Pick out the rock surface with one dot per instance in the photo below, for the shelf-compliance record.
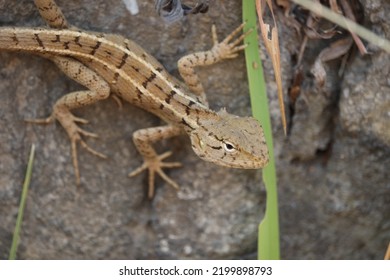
(334, 187)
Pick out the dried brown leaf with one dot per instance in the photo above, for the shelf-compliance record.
(335, 7)
(272, 46)
(335, 50)
(312, 26)
(349, 14)
(295, 89)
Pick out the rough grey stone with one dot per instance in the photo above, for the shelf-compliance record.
(214, 215)
(334, 187)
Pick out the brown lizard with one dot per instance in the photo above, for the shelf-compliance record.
(110, 64)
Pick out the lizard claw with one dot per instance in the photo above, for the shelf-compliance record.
(155, 165)
(75, 161)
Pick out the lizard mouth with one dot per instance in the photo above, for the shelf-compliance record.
(245, 163)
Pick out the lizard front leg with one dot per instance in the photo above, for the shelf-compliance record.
(52, 14)
(220, 51)
(98, 90)
(143, 140)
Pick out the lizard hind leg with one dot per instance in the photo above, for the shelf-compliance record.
(98, 89)
(75, 133)
(153, 162)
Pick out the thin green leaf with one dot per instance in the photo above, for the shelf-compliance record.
(26, 184)
(268, 241)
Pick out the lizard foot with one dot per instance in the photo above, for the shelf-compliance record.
(76, 138)
(155, 165)
(227, 49)
(75, 133)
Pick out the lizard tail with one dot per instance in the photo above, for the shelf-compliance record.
(74, 43)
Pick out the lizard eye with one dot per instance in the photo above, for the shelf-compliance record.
(229, 147)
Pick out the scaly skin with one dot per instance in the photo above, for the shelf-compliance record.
(110, 64)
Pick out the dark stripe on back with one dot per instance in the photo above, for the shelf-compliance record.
(149, 79)
(116, 77)
(169, 97)
(15, 39)
(57, 39)
(123, 60)
(39, 41)
(95, 48)
(66, 45)
(77, 41)
(139, 94)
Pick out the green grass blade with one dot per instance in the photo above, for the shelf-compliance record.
(27, 179)
(268, 240)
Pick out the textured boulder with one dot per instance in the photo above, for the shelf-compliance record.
(334, 188)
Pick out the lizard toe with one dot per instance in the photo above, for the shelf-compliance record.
(91, 150)
(155, 165)
(40, 121)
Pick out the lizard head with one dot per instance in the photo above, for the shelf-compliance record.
(231, 141)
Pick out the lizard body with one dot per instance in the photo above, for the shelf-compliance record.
(110, 64)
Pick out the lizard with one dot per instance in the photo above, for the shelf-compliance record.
(111, 65)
